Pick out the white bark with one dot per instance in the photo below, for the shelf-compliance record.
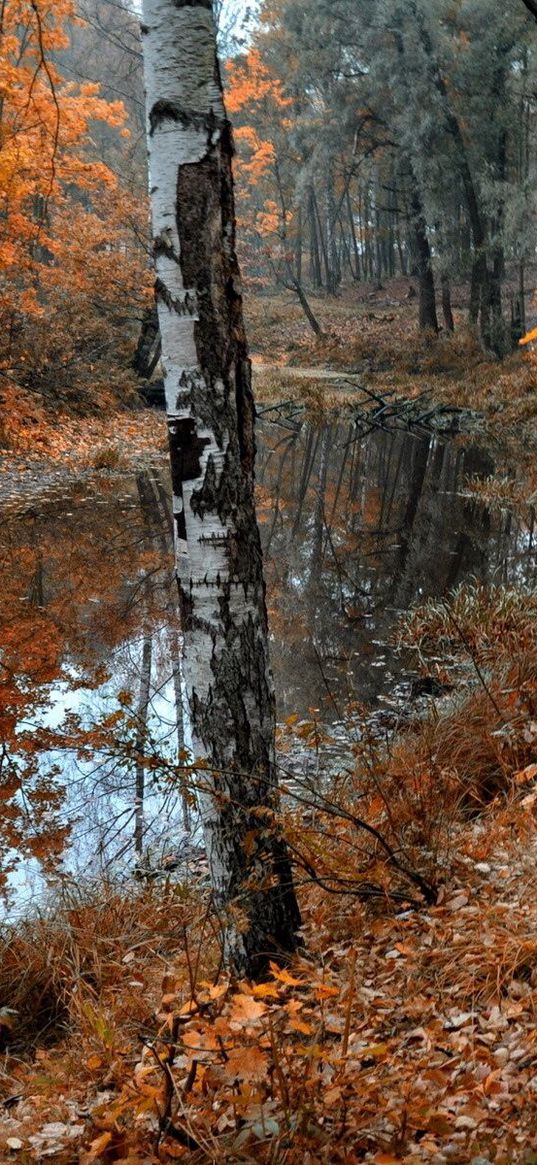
(210, 418)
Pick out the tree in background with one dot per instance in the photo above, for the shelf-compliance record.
(404, 150)
(211, 429)
(72, 282)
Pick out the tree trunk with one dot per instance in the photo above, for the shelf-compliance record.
(294, 285)
(447, 312)
(298, 245)
(427, 302)
(211, 430)
(475, 293)
(141, 735)
(355, 247)
(315, 260)
(148, 348)
(333, 272)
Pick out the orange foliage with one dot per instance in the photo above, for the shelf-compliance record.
(67, 250)
(250, 84)
(260, 110)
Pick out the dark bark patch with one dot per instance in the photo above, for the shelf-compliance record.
(164, 110)
(187, 306)
(186, 450)
(209, 407)
(161, 247)
(218, 494)
(192, 4)
(180, 525)
(245, 415)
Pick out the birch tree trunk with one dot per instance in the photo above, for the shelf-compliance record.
(140, 744)
(211, 430)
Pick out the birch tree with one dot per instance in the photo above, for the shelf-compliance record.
(211, 433)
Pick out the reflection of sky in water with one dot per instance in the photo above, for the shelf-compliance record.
(354, 533)
(100, 794)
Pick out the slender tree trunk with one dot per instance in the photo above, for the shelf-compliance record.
(378, 252)
(522, 296)
(315, 260)
(141, 733)
(322, 242)
(475, 293)
(148, 348)
(211, 429)
(355, 247)
(333, 273)
(186, 795)
(298, 245)
(368, 251)
(294, 285)
(447, 312)
(400, 251)
(427, 299)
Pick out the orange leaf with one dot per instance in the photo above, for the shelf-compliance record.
(245, 1009)
(524, 775)
(100, 1144)
(246, 1064)
(284, 976)
(324, 991)
(263, 989)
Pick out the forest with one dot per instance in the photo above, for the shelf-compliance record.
(268, 601)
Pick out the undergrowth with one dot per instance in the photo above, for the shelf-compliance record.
(404, 1032)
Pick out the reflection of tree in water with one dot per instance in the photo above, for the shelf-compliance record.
(86, 610)
(356, 530)
(360, 530)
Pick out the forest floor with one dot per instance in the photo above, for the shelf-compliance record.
(371, 338)
(60, 450)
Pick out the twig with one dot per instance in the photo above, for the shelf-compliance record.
(479, 673)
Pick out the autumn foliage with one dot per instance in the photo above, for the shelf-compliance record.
(261, 111)
(73, 274)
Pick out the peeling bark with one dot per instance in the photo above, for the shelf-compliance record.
(211, 425)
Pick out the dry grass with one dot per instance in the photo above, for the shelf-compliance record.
(107, 457)
(487, 638)
(503, 493)
(60, 967)
(493, 622)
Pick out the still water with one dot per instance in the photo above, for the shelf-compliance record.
(355, 532)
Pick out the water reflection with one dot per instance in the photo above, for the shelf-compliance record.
(354, 531)
(90, 654)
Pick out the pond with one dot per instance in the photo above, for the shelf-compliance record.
(355, 531)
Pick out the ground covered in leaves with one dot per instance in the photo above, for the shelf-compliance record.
(403, 1036)
(45, 450)
(372, 336)
(404, 1032)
